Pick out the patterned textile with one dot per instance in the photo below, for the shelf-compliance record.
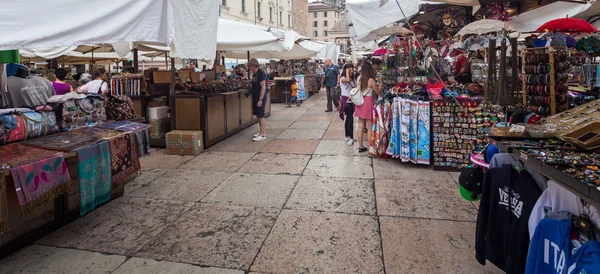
(142, 140)
(74, 139)
(37, 183)
(342, 110)
(423, 152)
(124, 161)
(394, 144)
(119, 107)
(124, 125)
(404, 130)
(14, 129)
(95, 181)
(40, 124)
(414, 122)
(3, 206)
(15, 155)
(374, 142)
(78, 113)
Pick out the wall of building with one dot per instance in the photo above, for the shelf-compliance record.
(269, 13)
(300, 17)
(320, 19)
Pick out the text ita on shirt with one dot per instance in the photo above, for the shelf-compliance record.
(98, 85)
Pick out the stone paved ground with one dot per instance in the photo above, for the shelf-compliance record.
(300, 202)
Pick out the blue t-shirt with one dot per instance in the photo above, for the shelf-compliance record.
(258, 77)
(331, 74)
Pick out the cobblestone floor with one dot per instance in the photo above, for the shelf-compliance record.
(300, 202)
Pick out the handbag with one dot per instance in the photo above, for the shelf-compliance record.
(356, 96)
(119, 107)
(21, 126)
(78, 113)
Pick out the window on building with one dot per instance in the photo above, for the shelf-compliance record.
(223, 3)
(324, 14)
(270, 14)
(258, 9)
(325, 33)
(315, 33)
(281, 18)
(243, 5)
(325, 23)
(314, 15)
(315, 24)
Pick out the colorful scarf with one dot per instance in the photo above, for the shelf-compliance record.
(124, 161)
(37, 183)
(343, 103)
(414, 123)
(95, 181)
(3, 206)
(142, 140)
(74, 139)
(15, 155)
(124, 125)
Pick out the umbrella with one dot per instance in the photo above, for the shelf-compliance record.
(381, 32)
(567, 25)
(380, 51)
(484, 26)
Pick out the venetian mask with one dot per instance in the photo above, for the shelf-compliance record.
(447, 19)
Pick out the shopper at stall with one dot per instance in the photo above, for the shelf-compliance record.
(60, 87)
(367, 86)
(98, 85)
(193, 66)
(332, 79)
(347, 83)
(24, 90)
(259, 97)
(294, 98)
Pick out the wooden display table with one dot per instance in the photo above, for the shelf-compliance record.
(218, 116)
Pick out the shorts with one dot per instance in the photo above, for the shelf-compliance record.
(259, 111)
(294, 99)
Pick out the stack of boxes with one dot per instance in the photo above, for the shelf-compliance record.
(159, 119)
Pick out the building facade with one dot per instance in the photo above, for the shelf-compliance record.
(321, 18)
(279, 14)
(340, 34)
(300, 17)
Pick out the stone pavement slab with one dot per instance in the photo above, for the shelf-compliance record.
(160, 159)
(291, 146)
(272, 163)
(313, 242)
(146, 176)
(257, 190)
(301, 134)
(119, 227)
(431, 200)
(319, 118)
(337, 147)
(340, 166)
(150, 266)
(215, 235)
(336, 134)
(218, 161)
(182, 185)
(310, 125)
(343, 195)
(38, 259)
(430, 246)
(409, 172)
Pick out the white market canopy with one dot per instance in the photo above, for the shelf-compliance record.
(189, 27)
(365, 16)
(238, 36)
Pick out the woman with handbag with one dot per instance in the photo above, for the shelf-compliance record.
(347, 83)
(366, 86)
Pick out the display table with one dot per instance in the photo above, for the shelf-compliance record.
(282, 90)
(218, 116)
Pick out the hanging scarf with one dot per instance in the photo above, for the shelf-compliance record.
(95, 181)
(3, 206)
(38, 182)
(124, 125)
(343, 103)
(124, 161)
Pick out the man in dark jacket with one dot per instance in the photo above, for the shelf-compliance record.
(332, 80)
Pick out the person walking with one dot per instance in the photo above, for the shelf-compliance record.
(332, 79)
(259, 97)
(367, 85)
(347, 83)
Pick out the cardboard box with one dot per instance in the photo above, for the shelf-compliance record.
(157, 113)
(184, 142)
(162, 77)
(160, 128)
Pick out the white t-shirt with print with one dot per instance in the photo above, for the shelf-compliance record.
(94, 86)
(346, 87)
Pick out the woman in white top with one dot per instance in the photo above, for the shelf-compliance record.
(98, 85)
(347, 83)
(367, 85)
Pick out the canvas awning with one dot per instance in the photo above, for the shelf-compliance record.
(365, 16)
(188, 27)
(238, 36)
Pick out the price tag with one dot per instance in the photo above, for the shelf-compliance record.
(517, 128)
(551, 127)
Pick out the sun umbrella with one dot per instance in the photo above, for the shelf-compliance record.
(484, 26)
(385, 31)
(567, 25)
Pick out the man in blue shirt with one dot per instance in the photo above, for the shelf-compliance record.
(332, 80)
(259, 97)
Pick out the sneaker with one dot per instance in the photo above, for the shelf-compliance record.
(255, 135)
(351, 142)
(259, 138)
(347, 139)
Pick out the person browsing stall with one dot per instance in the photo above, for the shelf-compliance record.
(259, 97)
(60, 87)
(193, 66)
(347, 83)
(98, 85)
(332, 79)
(368, 87)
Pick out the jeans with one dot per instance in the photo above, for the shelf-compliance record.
(332, 96)
(349, 123)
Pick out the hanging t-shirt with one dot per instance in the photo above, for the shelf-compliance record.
(27, 92)
(552, 251)
(502, 234)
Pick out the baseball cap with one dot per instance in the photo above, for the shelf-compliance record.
(253, 62)
(470, 183)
